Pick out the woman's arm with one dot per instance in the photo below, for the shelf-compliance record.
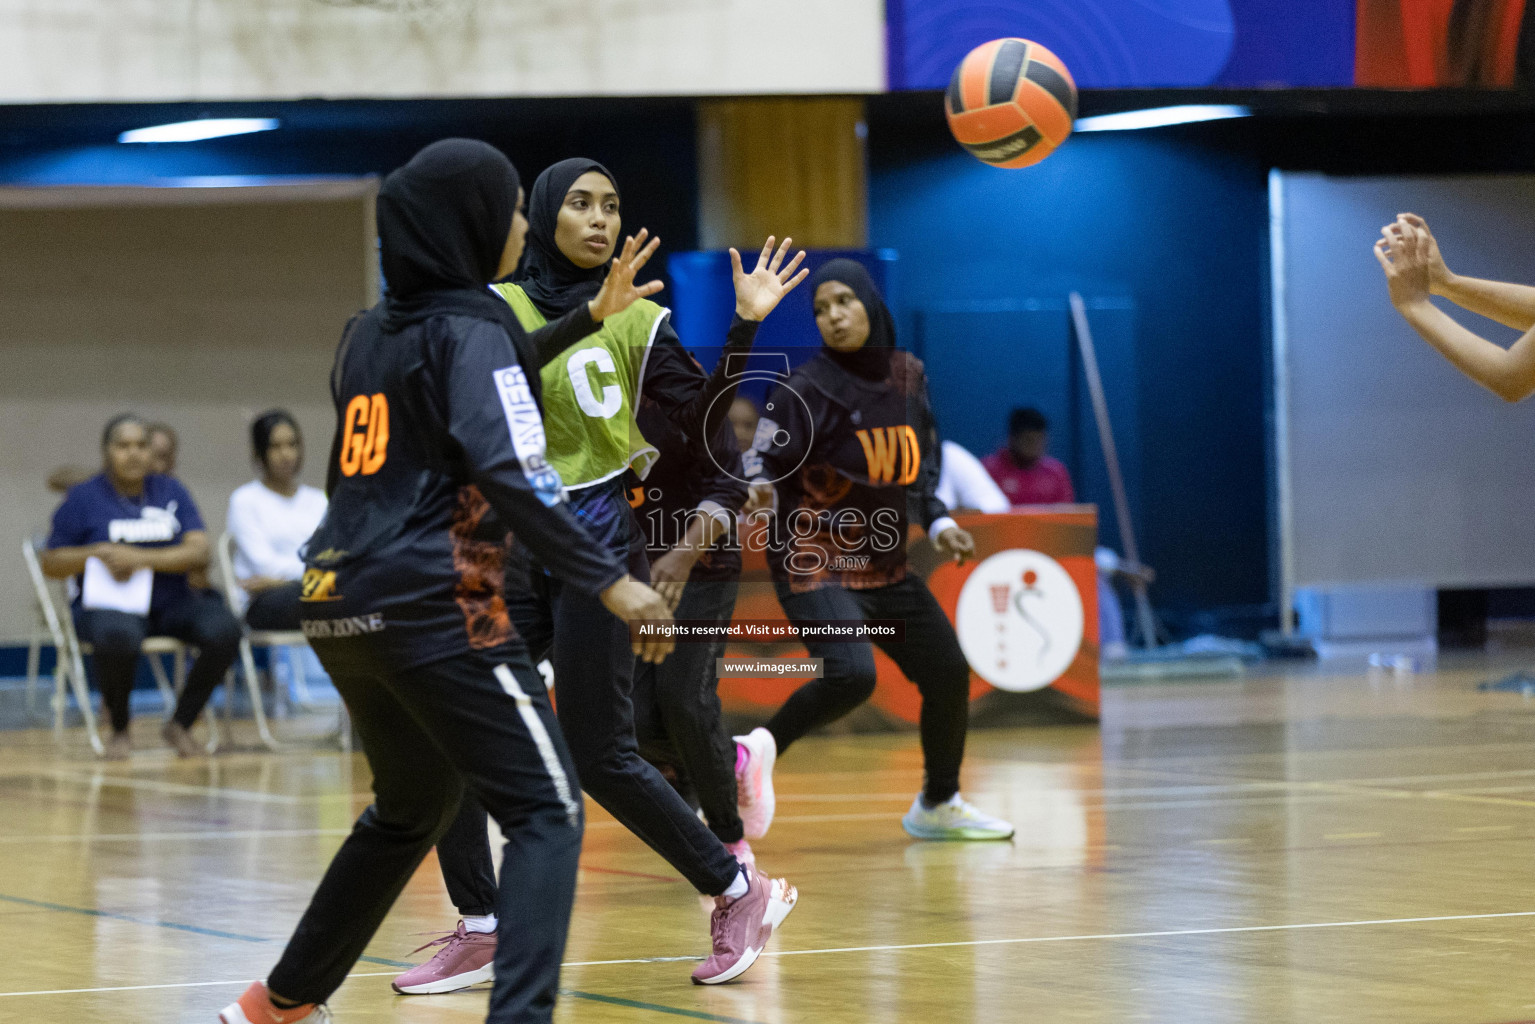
(123, 560)
(1512, 305)
(189, 555)
(722, 492)
(669, 573)
(61, 563)
(493, 416)
(1405, 255)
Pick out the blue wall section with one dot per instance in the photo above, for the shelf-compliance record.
(1166, 240)
(1124, 44)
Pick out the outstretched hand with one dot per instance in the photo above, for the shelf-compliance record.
(760, 291)
(618, 290)
(1438, 274)
(1404, 253)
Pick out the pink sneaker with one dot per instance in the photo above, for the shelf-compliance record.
(741, 928)
(255, 1008)
(755, 754)
(741, 850)
(466, 958)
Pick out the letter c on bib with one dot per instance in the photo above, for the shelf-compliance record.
(612, 395)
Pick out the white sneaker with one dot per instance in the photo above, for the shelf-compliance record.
(754, 782)
(953, 819)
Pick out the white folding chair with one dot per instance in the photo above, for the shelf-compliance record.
(69, 658)
(65, 653)
(40, 637)
(271, 639)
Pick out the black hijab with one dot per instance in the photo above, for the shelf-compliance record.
(443, 219)
(550, 279)
(872, 361)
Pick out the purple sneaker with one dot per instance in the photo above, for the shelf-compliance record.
(741, 928)
(466, 958)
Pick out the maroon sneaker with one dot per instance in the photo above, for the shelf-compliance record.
(741, 928)
(466, 958)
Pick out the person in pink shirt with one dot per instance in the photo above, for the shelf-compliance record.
(1022, 469)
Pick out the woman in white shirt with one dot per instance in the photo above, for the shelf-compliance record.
(963, 482)
(271, 519)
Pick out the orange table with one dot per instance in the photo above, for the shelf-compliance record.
(1026, 610)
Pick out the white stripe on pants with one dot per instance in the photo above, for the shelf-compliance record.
(541, 739)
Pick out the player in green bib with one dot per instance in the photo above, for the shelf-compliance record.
(591, 391)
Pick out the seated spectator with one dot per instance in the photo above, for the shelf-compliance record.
(1022, 469)
(163, 448)
(743, 416)
(271, 519)
(112, 530)
(162, 459)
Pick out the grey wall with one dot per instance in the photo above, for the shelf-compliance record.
(200, 315)
(1396, 468)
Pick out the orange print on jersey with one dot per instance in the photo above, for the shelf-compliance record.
(364, 435)
(887, 447)
(480, 562)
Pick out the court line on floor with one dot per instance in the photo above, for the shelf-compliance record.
(595, 997)
(178, 788)
(168, 984)
(655, 1007)
(1093, 937)
(172, 925)
(128, 837)
(1096, 937)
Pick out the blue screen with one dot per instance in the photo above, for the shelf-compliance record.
(1124, 44)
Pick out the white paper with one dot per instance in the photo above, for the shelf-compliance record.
(100, 590)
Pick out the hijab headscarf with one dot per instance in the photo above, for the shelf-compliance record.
(443, 221)
(550, 279)
(872, 361)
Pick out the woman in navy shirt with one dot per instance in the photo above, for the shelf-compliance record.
(131, 519)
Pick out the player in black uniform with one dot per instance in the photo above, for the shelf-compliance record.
(439, 451)
(840, 445)
(687, 509)
(589, 649)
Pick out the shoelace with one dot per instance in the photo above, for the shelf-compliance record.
(717, 925)
(446, 941)
(967, 811)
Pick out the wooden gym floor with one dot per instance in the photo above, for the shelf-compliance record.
(1288, 847)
